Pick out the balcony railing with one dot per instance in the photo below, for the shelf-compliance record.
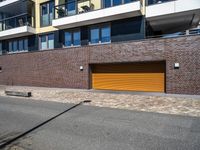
(151, 2)
(16, 21)
(83, 6)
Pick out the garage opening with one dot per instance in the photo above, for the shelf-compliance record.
(145, 76)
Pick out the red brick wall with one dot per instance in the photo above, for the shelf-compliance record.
(60, 68)
(57, 68)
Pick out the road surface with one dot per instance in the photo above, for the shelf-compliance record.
(93, 128)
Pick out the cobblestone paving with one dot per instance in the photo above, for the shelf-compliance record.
(180, 105)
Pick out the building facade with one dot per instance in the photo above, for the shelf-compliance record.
(129, 45)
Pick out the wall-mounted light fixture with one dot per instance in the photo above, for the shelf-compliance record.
(81, 68)
(176, 65)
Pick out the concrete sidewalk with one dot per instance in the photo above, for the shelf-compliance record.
(188, 105)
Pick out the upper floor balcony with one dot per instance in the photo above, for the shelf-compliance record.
(16, 26)
(170, 15)
(85, 12)
(17, 20)
(7, 2)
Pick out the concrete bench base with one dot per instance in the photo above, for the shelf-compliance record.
(14, 93)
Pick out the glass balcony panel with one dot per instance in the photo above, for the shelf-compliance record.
(73, 7)
(16, 21)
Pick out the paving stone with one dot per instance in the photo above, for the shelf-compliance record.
(168, 104)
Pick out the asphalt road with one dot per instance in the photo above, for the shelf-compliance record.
(94, 128)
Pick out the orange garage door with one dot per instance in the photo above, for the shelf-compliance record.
(149, 77)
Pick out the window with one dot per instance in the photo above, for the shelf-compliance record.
(105, 34)
(117, 2)
(107, 3)
(128, 1)
(47, 41)
(100, 34)
(51, 41)
(68, 39)
(18, 45)
(47, 11)
(76, 38)
(43, 42)
(21, 46)
(71, 7)
(72, 38)
(110, 3)
(94, 35)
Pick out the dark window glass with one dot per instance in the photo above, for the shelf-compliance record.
(18, 45)
(68, 39)
(77, 40)
(44, 9)
(100, 34)
(127, 26)
(51, 7)
(94, 35)
(21, 45)
(10, 47)
(71, 7)
(128, 1)
(51, 12)
(117, 2)
(15, 46)
(72, 38)
(43, 42)
(107, 3)
(47, 13)
(50, 41)
(26, 44)
(105, 34)
(156, 1)
(47, 41)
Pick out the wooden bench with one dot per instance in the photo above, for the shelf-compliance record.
(17, 93)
